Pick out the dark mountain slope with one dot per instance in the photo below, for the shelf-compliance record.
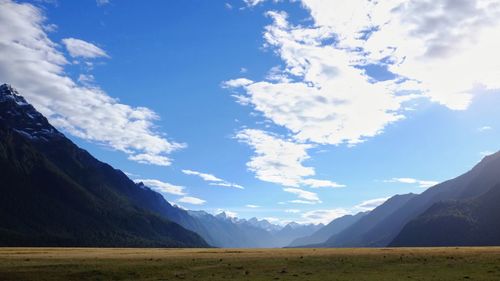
(56, 194)
(354, 235)
(472, 184)
(334, 227)
(380, 232)
(473, 222)
(155, 202)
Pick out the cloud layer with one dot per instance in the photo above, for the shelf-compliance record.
(350, 72)
(444, 49)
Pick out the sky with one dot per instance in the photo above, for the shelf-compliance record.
(301, 110)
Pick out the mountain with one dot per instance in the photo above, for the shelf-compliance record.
(180, 216)
(473, 222)
(56, 194)
(355, 235)
(334, 227)
(230, 232)
(292, 231)
(264, 224)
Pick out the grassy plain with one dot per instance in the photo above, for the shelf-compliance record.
(249, 264)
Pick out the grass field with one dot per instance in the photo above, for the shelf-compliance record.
(250, 264)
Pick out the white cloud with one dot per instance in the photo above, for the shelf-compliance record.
(252, 3)
(321, 183)
(213, 180)
(304, 202)
(83, 49)
(303, 194)
(226, 184)
(162, 187)
(371, 204)
(280, 161)
(33, 64)
(292, 211)
(276, 160)
(204, 176)
(252, 206)
(485, 129)
(235, 83)
(420, 183)
(191, 200)
(151, 159)
(322, 216)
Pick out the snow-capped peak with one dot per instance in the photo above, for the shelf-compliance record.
(20, 116)
(7, 92)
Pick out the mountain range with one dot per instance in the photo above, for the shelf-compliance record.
(57, 194)
(229, 232)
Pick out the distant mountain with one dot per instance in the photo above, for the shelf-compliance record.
(356, 234)
(229, 232)
(293, 231)
(56, 194)
(264, 224)
(334, 227)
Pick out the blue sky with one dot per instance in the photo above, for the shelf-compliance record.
(288, 110)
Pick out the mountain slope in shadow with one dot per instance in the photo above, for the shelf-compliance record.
(56, 194)
(473, 222)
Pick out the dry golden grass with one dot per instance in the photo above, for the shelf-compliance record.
(250, 264)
